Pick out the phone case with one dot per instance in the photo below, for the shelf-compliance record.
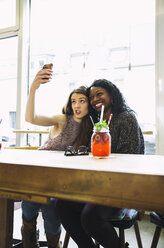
(48, 66)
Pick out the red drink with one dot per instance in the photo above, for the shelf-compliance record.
(101, 143)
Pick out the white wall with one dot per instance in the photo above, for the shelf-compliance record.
(159, 77)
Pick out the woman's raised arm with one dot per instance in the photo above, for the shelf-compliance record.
(43, 76)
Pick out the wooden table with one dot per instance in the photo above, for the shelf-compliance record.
(132, 181)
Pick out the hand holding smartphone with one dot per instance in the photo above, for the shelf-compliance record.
(47, 66)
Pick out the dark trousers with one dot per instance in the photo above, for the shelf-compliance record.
(83, 221)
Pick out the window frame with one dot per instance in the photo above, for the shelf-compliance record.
(12, 30)
(21, 30)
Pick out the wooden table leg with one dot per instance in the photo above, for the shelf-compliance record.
(6, 222)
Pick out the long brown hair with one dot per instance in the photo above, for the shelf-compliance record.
(85, 131)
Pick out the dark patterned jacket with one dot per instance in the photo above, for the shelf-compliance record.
(126, 135)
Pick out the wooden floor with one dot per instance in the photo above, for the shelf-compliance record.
(146, 229)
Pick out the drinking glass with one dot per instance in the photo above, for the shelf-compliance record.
(101, 143)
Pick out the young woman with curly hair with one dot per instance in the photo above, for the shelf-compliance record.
(86, 221)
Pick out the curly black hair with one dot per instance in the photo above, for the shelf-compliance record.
(118, 103)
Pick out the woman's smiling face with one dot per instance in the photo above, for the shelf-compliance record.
(98, 97)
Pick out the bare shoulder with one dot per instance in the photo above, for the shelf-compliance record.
(60, 119)
(59, 122)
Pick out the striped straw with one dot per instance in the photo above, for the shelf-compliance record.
(110, 117)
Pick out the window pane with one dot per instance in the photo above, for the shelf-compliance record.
(87, 40)
(7, 13)
(8, 88)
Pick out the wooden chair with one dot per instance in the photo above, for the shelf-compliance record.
(123, 224)
(158, 220)
(127, 223)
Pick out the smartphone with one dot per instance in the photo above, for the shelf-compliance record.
(47, 66)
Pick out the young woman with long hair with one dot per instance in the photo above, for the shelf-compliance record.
(72, 128)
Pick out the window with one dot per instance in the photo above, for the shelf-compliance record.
(8, 86)
(7, 13)
(9, 26)
(12, 119)
(87, 40)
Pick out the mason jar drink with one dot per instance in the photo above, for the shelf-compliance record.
(101, 143)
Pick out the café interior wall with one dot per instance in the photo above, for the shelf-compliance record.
(159, 77)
